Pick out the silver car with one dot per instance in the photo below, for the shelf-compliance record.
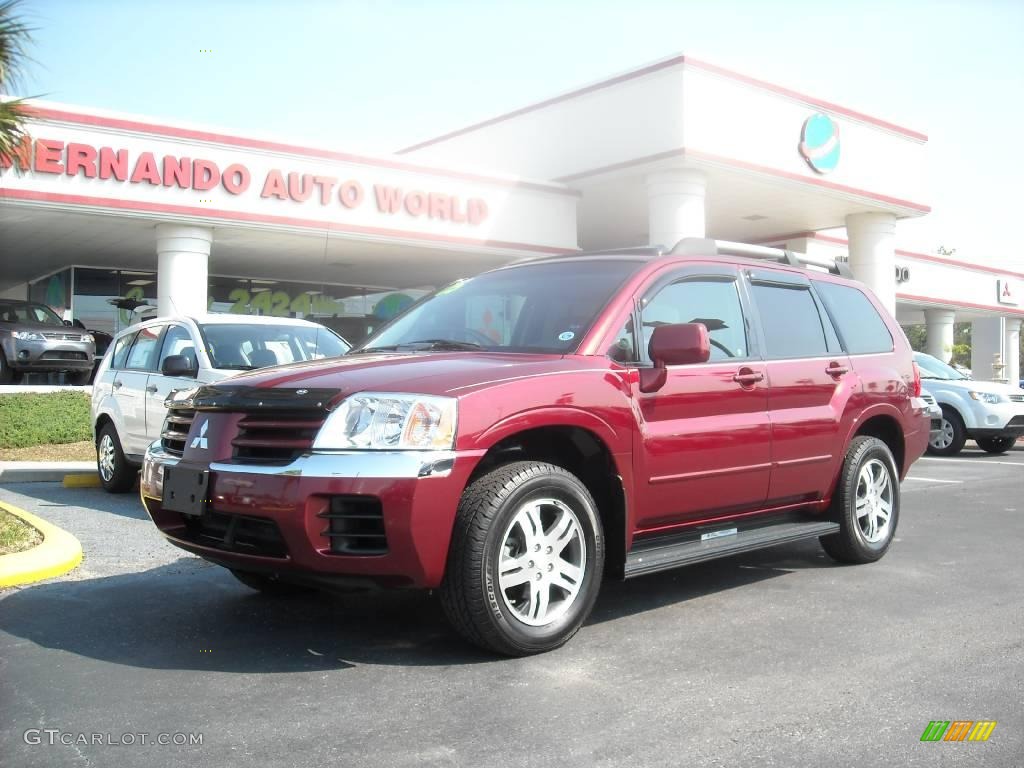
(34, 340)
(148, 361)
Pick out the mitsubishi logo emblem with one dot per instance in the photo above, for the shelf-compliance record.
(200, 440)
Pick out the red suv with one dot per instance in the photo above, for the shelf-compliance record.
(517, 437)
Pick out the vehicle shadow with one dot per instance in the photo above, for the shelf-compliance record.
(188, 615)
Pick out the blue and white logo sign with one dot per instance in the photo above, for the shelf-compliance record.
(819, 143)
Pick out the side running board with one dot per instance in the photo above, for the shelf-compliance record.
(653, 557)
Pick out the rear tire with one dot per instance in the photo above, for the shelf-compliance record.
(268, 585)
(952, 435)
(866, 503)
(117, 474)
(526, 559)
(996, 444)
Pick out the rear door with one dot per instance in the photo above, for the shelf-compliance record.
(177, 340)
(705, 439)
(810, 385)
(130, 388)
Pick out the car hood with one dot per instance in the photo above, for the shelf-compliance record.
(430, 373)
(40, 327)
(969, 385)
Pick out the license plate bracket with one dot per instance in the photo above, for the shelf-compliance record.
(186, 490)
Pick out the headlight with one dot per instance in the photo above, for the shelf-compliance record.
(28, 336)
(88, 338)
(390, 421)
(179, 396)
(986, 397)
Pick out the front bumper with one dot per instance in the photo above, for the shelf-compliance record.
(49, 355)
(1013, 428)
(418, 493)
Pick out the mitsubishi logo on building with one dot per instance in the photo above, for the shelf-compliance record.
(199, 441)
(819, 143)
(1007, 292)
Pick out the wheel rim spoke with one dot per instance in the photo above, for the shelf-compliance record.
(875, 499)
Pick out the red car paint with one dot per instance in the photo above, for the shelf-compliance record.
(705, 447)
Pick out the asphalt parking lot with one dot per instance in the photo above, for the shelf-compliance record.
(778, 658)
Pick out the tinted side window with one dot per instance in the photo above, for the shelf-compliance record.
(715, 303)
(790, 320)
(121, 347)
(143, 352)
(861, 327)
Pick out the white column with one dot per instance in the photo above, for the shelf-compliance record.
(183, 256)
(675, 205)
(1012, 353)
(939, 323)
(987, 338)
(873, 253)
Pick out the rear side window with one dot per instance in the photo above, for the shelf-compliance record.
(121, 347)
(790, 320)
(861, 328)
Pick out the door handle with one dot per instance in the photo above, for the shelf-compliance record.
(835, 369)
(151, 388)
(745, 377)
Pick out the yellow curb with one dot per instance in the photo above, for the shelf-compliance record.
(82, 481)
(59, 553)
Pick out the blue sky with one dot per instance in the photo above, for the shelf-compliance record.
(375, 76)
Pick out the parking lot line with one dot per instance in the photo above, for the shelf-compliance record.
(933, 479)
(975, 461)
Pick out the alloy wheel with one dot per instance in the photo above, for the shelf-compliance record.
(543, 561)
(106, 458)
(874, 501)
(945, 437)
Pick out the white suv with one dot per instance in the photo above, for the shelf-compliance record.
(989, 413)
(146, 362)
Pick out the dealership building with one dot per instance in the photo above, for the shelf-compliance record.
(101, 206)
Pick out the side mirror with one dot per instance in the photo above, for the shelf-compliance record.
(678, 344)
(178, 365)
(68, 323)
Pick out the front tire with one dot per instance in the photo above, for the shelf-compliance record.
(526, 559)
(952, 435)
(79, 378)
(866, 503)
(117, 474)
(996, 444)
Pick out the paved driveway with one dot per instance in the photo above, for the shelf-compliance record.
(777, 658)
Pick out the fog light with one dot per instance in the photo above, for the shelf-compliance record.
(23, 354)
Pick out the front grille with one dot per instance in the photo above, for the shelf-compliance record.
(355, 526)
(59, 355)
(63, 336)
(1017, 398)
(1016, 421)
(175, 432)
(928, 398)
(274, 437)
(235, 533)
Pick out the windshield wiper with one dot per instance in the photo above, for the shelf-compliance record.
(236, 367)
(440, 344)
(445, 344)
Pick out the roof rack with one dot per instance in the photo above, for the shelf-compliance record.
(699, 246)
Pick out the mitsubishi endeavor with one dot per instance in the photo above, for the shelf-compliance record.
(517, 437)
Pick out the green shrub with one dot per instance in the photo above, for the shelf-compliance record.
(43, 418)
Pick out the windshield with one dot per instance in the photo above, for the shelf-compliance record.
(540, 307)
(933, 368)
(28, 313)
(243, 347)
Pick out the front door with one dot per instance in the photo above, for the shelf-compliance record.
(704, 439)
(129, 388)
